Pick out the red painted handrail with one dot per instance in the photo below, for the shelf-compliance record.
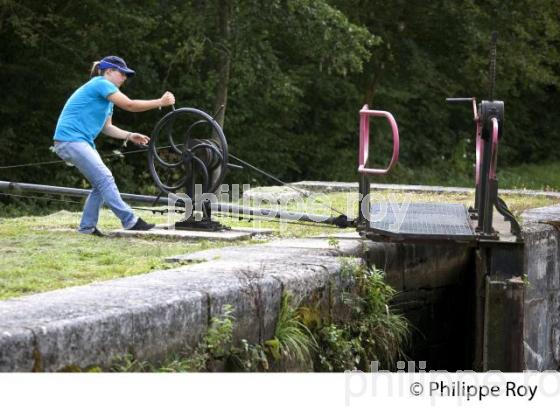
(479, 150)
(363, 154)
(494, 158)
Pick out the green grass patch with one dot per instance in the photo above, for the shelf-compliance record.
(545, 177)
(45, 253)
(41, 253)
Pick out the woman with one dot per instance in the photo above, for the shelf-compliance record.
(87, 113)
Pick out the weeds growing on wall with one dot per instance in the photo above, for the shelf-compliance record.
(292, 339)
(210, 353)
(375, 332)
(302, 339)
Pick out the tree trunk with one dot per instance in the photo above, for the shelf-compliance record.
(372, 80)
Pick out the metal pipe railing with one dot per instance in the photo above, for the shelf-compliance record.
(363, 154)
(494, 153)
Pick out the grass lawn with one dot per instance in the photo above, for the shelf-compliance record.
(38, 254)
(544, 177)
(41, 253)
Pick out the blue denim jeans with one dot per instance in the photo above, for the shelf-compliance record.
(104, 189)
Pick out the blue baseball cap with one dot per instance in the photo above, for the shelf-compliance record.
(117, 63)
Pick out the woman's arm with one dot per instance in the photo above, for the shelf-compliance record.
(122, 101)
(115, 132)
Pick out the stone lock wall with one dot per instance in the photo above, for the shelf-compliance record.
(542, 297)
(432, 284)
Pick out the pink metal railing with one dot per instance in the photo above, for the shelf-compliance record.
(479, 150)
(363, 154)
(494, 158)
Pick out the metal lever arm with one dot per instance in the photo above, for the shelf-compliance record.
(467, 99)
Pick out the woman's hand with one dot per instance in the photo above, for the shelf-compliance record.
(139, 139)
(167, 99)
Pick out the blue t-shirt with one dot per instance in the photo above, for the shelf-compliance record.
(86, 112)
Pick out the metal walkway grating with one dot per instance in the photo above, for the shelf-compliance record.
(421, 220)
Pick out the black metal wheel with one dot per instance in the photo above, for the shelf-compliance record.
(187, 148)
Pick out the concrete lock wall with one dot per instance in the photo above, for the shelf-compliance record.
(542, 297)
(433, 286)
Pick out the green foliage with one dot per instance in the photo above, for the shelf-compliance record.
(129, 364)
(381, 335)
(192, 361)
(212, 352)
(434, 50)
(249, 357)
(219, 337)
(292, 339)
(215, 347)
(298, 71)
(544, 176)
(337, 353)
(274, 50)
(373, 333)
(334, 242)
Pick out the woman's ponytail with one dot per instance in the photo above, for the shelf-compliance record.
(95, 69)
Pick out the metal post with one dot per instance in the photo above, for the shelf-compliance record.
(364, 200)
(487, 189)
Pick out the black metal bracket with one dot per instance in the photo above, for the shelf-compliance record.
(205, 224)
(503, 209)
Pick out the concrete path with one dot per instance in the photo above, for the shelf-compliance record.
(163, 232)
(546, 214)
